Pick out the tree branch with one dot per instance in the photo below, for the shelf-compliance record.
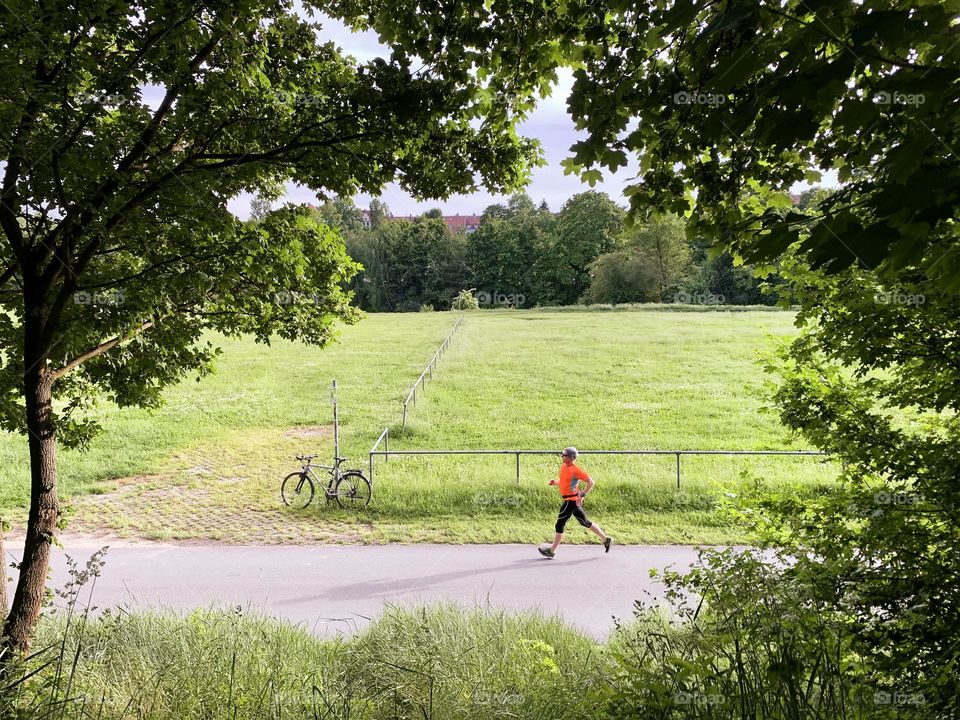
(123, 75)
(113, 342)
(72, 224)
(98, 350)
(8, 195)
(146, 271)
(234, 159)
(896, 62)
(74, 221)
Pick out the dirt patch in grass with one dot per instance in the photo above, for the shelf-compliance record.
(309, 431)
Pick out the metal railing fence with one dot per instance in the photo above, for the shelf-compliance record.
(386, 453)
(421, 381)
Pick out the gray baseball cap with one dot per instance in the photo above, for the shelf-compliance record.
(571, 452)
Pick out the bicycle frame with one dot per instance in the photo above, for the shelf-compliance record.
(332, 470)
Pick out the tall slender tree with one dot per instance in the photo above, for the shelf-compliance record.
(125, 129)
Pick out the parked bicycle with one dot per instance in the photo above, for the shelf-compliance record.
(350, 488)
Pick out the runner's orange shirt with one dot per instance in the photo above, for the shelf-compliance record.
(570, 477)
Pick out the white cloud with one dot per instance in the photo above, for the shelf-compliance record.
(363, 45)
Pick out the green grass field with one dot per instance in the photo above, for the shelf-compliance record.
(208, 464)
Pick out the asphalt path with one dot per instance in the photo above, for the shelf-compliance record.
(333, 589)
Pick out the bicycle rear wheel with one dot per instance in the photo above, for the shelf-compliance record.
(352, 490)
(297, 490)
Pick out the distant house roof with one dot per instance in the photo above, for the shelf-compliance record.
(456, 223)
(459, 223)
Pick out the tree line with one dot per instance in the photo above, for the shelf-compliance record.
(524, 255)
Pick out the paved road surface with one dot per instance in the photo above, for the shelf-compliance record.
(334, 588)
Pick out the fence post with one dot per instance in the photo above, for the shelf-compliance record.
(678, 471)
(518, 470)
(336, 420)
(404, 414)
(385, 439)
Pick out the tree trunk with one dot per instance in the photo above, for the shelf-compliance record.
(44, 505)
(4, 604)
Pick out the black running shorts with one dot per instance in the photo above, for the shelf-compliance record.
(570, 507)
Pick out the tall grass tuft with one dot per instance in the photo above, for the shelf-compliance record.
(445, 662)
(439, 662)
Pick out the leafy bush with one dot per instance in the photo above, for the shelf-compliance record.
(755, 646)
(465, 300)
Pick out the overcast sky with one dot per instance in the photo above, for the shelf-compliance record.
(548, 123)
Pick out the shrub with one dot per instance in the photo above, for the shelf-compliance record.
(747, 639)
(465, 300)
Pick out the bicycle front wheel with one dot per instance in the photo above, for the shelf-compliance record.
(297, 490)
(352, 490)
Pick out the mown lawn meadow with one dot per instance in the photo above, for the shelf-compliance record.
(208, 463)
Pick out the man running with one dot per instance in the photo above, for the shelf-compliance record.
(571, 476)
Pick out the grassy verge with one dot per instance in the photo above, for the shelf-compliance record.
(444, 662)
(208, 464)
(441, 662)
